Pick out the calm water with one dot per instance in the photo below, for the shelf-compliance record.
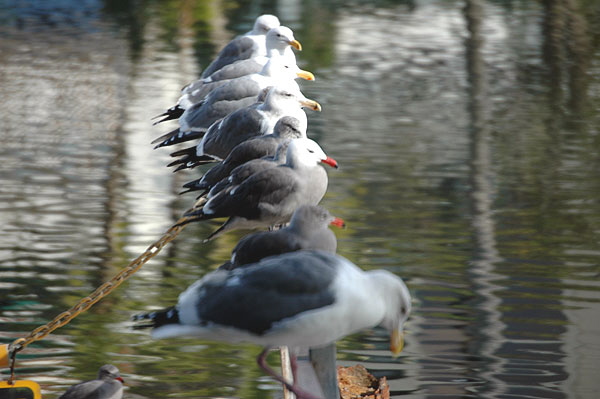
(470, 156)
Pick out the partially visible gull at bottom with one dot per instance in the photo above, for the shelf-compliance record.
(108, 385)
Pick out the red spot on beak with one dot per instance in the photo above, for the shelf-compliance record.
(338, 223)
(120, 379)
(331, 162)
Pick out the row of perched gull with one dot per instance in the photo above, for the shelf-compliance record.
(284, 286)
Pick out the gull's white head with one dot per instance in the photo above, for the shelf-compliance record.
(313, 217)
(284, 69)
(280, 38)
(306, 152)
(397, 300)
(108, 372)
(264, 24)
(288, 94)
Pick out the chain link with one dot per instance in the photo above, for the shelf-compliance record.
(100, 292)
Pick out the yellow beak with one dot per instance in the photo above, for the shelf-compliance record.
(396, 342)
(305, 75)
(312, 104)
(296, 44)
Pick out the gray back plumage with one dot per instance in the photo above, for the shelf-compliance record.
(106, 386)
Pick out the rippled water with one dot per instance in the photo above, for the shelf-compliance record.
(469, 150)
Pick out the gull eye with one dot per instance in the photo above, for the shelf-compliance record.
(311, 151)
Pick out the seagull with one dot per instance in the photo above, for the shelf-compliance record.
(285, 129)
(270, 197)
(249, 45)
(108, 385)
(279, 42)
(303, 299)
(308, 229)
(233, 95)
(255, 120)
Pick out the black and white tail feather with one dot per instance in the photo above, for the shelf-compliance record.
(157, 318)
(189, 159)
(177, 136)
(172, 113)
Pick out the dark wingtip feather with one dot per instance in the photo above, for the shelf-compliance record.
(161, 140)
(156, 319)
(186, 165)
(176, 162)
(172, 113)
(193, 184)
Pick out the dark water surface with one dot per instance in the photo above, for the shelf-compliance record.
(467, 135)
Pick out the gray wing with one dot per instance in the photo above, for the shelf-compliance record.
(238, 69)
(235, 128)
(198, 90)
(262, 194)
(253, 148)
(277, 288)
(238, 49)
(219, 103)
(235, 89)
(249, 150)
(239, 174)
(213, 176)
(254, 247)
(200, 118)
(242, 153)
(85, 390)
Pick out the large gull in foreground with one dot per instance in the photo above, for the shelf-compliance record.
(270, 197)
(304, 299)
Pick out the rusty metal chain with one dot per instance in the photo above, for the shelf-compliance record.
(100, 292)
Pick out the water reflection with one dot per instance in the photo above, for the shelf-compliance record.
(468, 145)
(488, 329)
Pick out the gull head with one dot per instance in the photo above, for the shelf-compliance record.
(289, 127)
(264, 24)
(306, 152)
(280, 38)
